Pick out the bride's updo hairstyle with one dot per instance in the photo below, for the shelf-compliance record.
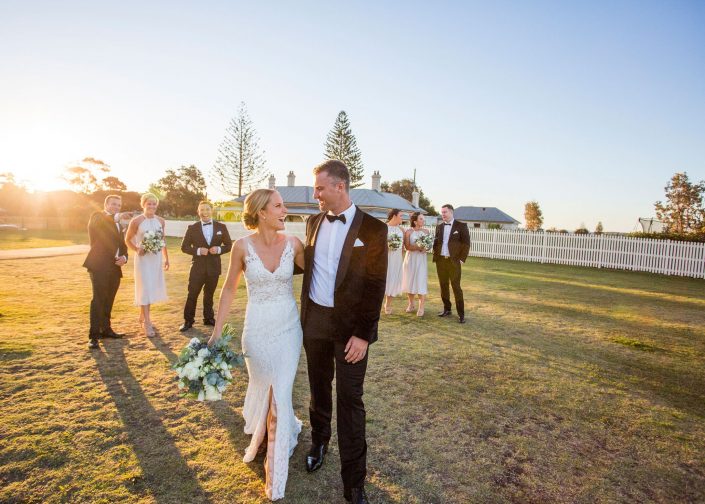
(254, 202)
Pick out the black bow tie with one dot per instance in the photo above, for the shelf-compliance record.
(333, 218)
(446, 223)
(207, 223)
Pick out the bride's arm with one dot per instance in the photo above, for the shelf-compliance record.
(299, 259)
(227, 294)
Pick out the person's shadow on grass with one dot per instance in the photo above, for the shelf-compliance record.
(165, 474)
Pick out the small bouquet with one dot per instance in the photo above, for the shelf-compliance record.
(203, 372)
(425, 241)
(394, 241)
(153, 241)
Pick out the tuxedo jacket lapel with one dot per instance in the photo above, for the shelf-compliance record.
(346, 253)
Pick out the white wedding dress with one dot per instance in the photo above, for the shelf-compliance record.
(271, 340)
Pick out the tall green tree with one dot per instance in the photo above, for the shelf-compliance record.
(181, 190)
(342, 145)
(405, 189)
(683, 211)
(533, 216)
(240, 165)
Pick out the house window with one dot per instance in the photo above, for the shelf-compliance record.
(477, 225)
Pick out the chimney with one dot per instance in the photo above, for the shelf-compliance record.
(376, 181)
(415, 198)
(272, 181)
(291, 179)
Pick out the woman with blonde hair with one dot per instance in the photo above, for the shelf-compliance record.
(272, 335)
(145, 236)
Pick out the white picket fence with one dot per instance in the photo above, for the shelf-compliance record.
(598, 251)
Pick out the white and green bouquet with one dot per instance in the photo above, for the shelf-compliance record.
(394, 241)
(153, 241)
(425, 241)
(203, 371)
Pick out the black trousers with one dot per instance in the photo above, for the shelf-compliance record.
(198, 281)
(325, 353)
(449, 272)
(105, 286)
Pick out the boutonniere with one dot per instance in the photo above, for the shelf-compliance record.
(219, 233)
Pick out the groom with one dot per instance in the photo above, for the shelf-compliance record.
(343, 288)
(104, 262)
(451, 247)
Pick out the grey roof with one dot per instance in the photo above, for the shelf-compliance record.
(482, 214)
(303, 195)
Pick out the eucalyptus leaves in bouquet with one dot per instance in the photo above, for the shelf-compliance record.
(203, 371)
(394, 241)
(153, 241)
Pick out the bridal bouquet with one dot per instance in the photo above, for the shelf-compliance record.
(153, 241)
(425, 241)
(203, 372)
(394, 241)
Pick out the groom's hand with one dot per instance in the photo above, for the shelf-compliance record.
(355, 350)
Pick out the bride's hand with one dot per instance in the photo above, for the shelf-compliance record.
(213, 339)
(141, 251)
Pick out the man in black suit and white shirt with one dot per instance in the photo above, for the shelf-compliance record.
(341, 297)
(104, 262)
(450, 250)
(205, 240)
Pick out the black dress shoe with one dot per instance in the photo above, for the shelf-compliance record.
(461, 320)
(186, 326)
(112, 334)
(93, 345)
(209, 322)
(357, 496)
(314, 459)
(444, 313)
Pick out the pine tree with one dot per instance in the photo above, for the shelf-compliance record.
(341, 145)
(683, 211)
(240, 163)
(533, 216)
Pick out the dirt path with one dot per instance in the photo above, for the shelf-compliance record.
(33, 253)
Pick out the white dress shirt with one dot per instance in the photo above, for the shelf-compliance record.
(207, 234)
(446, 236)
(329, 247)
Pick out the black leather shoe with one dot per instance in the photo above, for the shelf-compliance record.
(112, 334)
(461, 320)
(209, 322)
(314, 459)
(186, 326)
(93, 345)
(444, 313)
(357, 496)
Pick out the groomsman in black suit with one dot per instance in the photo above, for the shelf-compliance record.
(205, 240)
(343, 288)
(450, 250)
(104, 262)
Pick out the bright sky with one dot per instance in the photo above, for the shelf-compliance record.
(588, 108)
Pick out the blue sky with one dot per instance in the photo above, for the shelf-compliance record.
(587, 107)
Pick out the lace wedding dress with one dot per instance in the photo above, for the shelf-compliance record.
(271, 341)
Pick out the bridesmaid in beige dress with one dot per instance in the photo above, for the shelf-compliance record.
(150, 286)
(415, 270)
(394, 260)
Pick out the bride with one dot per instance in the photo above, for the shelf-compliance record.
(272, 336)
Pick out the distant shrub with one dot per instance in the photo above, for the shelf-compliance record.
(690, 237)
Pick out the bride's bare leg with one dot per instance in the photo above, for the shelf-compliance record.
(271, 443)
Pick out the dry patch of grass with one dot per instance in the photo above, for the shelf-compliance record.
(566, 385)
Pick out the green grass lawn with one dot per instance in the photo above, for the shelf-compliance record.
(11, 240)
(566, 385)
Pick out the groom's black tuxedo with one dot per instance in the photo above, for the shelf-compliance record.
(205, 269)
(361, 276)
(106, 245)
(358, 293)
